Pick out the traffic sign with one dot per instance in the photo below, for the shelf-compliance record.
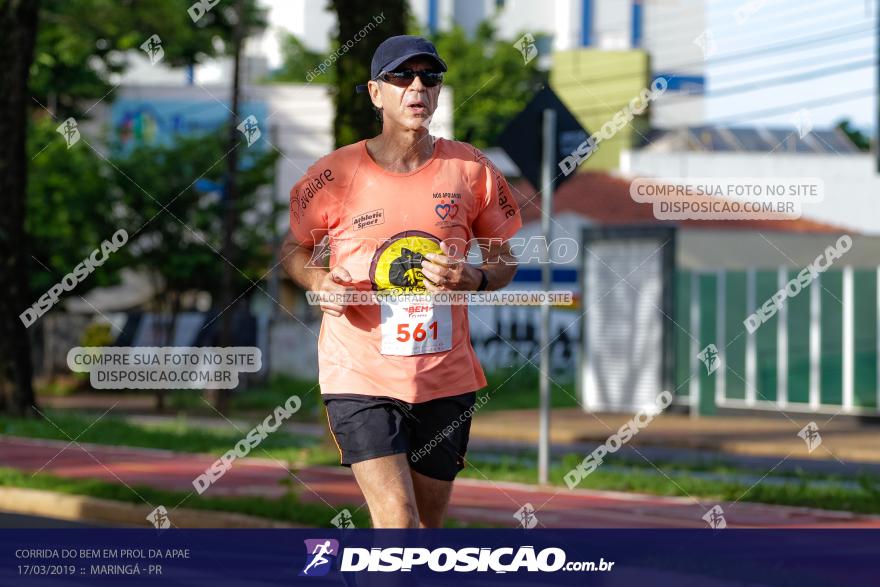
(522, 137)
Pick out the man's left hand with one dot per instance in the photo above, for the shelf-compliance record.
(445, 273)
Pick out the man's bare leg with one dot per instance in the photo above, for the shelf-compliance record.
(388, 488)
(432, 497)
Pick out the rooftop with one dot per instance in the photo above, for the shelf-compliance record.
(605, 199)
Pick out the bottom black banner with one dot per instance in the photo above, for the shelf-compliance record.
(438, 557)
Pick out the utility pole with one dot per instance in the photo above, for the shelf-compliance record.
(230, 194)
(548, 157)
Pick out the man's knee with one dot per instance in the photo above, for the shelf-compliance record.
(398, 513)
(431, 519)
(411, 515)
(432, 498)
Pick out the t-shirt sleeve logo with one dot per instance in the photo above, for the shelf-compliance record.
(306, 190)
(505, 198)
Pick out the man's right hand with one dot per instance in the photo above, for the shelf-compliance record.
(337, 281)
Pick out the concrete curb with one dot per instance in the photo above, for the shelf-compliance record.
(81, 508)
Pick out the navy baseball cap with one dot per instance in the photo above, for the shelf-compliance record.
(395, 50)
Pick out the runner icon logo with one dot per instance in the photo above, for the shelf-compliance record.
(321, 555)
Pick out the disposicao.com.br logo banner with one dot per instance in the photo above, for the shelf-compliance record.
(461, 557)
(322, 552)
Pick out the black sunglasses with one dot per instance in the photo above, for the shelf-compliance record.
(405, 78)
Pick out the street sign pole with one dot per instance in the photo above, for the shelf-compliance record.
(545, 116)
(548, 154)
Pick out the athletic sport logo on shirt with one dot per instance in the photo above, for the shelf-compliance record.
(367, 219)
(397, 265)
(322, 553)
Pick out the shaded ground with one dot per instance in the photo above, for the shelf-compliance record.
(473, 501)
(844, 439)
(8, 520)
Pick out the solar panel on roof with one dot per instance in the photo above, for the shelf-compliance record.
(832, 142)
(788, 141)
(748, 139)
(758, 140)
(711, 139)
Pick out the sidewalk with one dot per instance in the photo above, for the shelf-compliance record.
(473, 501)
(844, 438)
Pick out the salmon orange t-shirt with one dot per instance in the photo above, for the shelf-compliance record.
(379, 225)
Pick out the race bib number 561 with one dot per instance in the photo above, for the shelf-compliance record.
(413, 325)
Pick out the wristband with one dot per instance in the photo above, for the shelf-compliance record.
(484, 280)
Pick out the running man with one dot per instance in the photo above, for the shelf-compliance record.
(398, 379)
(320, 550)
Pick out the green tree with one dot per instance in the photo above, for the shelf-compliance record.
(298, 61)
(859, 139)
(82, 44)
(68, 212)
(355, 119)
(176, 233)
(490, 81)
(175, 228)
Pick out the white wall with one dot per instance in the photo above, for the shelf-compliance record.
(612, 25)
(309, 20)
(564, 225)
(668, 33)
(519, 16)
(669, 26)
(700, 249)
(852, 186)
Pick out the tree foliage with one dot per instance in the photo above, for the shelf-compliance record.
(297, 61)
(355, 119)
(175, 227)
(488, 77)
(62, 211)
(68, 210)
(82, 45)
(490, 81)
(858, 138)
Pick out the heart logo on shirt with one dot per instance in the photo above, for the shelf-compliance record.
(444, 210)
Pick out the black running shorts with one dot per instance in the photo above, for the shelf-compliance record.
(433, 434)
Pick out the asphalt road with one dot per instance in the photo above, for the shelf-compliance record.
(10, 520)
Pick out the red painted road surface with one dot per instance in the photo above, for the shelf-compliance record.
(472, 500)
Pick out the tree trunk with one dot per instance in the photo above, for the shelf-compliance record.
(230, 194)
(18, 21)
(355, 119)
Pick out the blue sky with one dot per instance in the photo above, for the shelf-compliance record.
(782, 22)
